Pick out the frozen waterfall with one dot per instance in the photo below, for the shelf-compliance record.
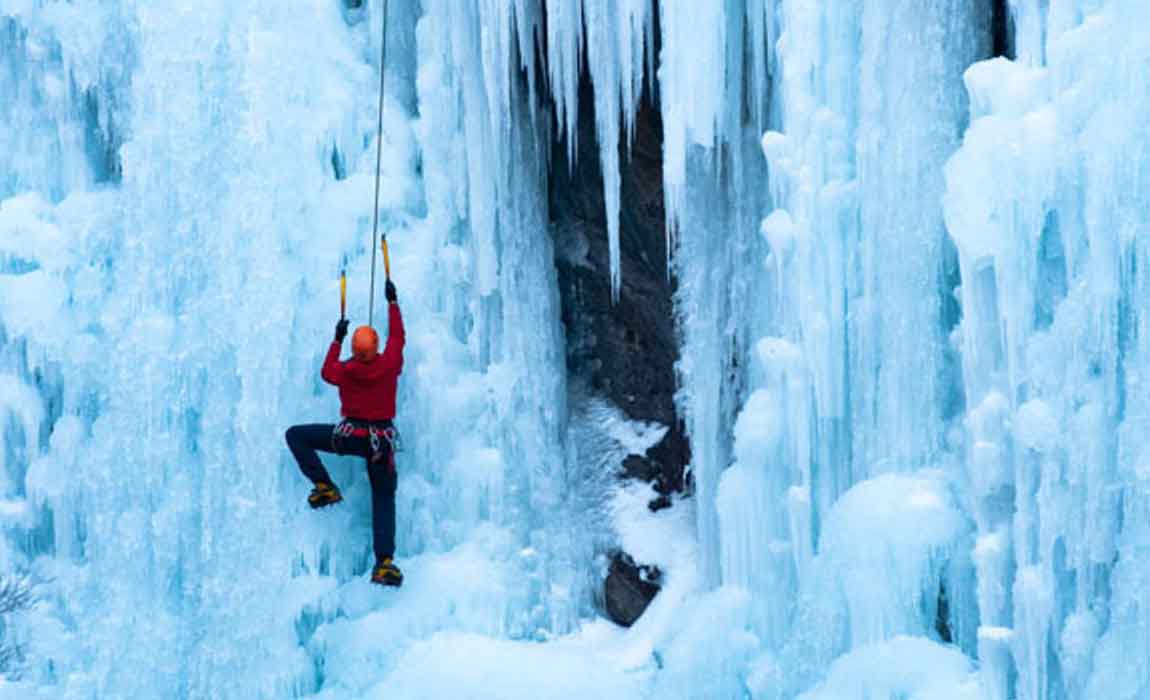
(909, 246)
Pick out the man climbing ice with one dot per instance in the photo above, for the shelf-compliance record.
(367, 386)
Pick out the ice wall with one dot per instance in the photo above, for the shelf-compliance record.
(180, 186)
(947, 278)
(150, 308)
(968, 305)
(910, 297)
(830, 359)
(1045, 204)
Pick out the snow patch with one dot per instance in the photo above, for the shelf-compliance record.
(664, 538)
(1036, 426)
(889, 544)
(903, 667)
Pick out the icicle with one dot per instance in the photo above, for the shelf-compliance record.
(634, 23)
(604, 63)
(692, 82)
(528, 21)
(564, 61)
(616, 37)
(760, 43)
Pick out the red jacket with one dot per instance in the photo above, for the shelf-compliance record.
(367, 389)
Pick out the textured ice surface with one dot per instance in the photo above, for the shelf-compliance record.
(912, 300)
(902, 667)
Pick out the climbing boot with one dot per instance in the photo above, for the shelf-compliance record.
(386, 573)
(323, 495)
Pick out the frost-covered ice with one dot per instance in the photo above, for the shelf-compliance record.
(912, 298)
(902, 667)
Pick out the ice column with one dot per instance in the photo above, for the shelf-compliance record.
(714, 196)
(154, 270)
(1044, 204)
(505, 308)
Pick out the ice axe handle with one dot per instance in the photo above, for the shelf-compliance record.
(386, 260)
(342, 296)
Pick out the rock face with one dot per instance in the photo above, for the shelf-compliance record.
(624, 352)
(629, 589)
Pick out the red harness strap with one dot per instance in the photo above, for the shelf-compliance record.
(376, 434)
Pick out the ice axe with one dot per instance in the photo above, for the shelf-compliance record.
(386, 259)
(343, 294)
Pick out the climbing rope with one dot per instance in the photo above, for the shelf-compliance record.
(378, 171)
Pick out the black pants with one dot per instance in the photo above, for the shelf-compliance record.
(305, 440)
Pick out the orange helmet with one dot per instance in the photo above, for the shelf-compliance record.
(365, 343)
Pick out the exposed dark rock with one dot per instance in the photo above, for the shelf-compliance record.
(1002, 30)
(623, 351)
(629, 588)
(659, 503)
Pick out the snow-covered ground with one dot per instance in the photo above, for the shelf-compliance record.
(913, 301)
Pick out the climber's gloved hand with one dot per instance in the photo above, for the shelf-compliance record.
(389, 292)
(341, 330)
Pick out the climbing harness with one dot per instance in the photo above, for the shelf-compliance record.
(378, 170)
(377, 434)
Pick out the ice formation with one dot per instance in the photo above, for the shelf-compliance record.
(911, 295)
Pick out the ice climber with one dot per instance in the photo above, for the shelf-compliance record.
(367, 385)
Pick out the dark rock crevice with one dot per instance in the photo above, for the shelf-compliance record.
(623, 352)
(1002, 30)
(629, 588)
